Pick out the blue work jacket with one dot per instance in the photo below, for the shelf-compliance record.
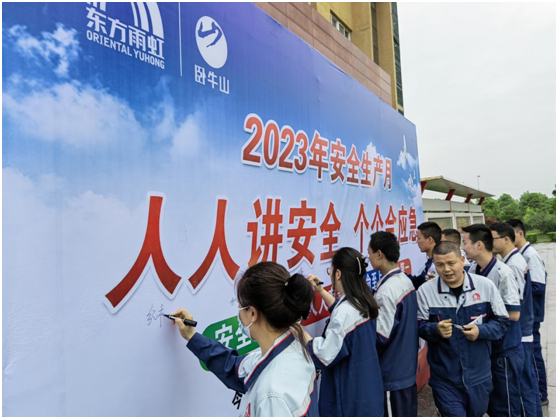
(456, 359)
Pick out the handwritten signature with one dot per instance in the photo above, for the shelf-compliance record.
(153, 315)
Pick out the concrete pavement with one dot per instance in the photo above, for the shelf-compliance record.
(426, 407)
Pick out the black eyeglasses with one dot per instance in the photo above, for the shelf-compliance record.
(500, 237)
(329, 271)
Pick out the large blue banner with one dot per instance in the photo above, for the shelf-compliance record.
(151, 152)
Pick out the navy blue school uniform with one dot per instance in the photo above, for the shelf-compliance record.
(420, 277)
(538, 274)
(507, 352)
(460, 369)
(397, 342)
(346, 354)
(529, 386)
(280, 382)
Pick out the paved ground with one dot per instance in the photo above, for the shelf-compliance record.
(426, 407)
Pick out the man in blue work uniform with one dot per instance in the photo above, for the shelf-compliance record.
(429, 234)
(507, 353)
(538, 274)
(396, 327)
(459, 314)
(504, 239)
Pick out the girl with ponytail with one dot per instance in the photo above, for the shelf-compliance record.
(346, 352)
(278, 378)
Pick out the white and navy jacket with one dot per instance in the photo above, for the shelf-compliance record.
(280, 383)
(503, 277)
(346, 354)
(519, 267)
(457, 360)
(420, 277)
(397, 330)
(538, 274)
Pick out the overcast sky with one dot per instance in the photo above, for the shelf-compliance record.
(479, 83)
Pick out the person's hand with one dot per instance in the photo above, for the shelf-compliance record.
(313, 279)
(429, 276)
(471, 331)
(187, 332)
(445, 328)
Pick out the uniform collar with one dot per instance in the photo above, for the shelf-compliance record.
(524, 248)
(488, 267)
(506, 258)
(467, 284)
(280, 344)
(382, 281)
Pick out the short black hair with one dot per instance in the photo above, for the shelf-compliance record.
(445, 248)
(387, 243)
(516, 223)
(431, 229)
(453, 235)
(480, 233)
(504, 230)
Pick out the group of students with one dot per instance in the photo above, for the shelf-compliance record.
(481, 326)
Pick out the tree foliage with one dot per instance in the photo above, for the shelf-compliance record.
(536, 210)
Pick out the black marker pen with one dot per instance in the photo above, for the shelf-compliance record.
(185, 321)
(318, 283)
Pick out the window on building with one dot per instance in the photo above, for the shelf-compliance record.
(375, 33)
(397, 53)
(340, 27)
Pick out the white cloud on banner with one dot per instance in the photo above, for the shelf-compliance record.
(405, 158)
(414, 191)
(187, 138)
(73, 114)
(59, 46)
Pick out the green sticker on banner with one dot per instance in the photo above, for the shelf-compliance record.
(229, 334)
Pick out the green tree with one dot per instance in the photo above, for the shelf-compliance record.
(508, 207)
(491, 208)
(535, 201)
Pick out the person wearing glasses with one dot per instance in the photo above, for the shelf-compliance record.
(397, 328)
(538, 274)
(507, 353)
(503, 235)
(459, 314)
(346, 352)
(278, 379)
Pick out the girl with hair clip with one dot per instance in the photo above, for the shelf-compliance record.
(278, 378)
(346, 352)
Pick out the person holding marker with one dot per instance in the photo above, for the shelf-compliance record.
(346, 352)
(397, 329)
(278, 379)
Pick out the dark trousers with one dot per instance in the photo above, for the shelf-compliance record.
(505, 398)
(540, 369)
(460, 401)
(529, 386)
(401, 403)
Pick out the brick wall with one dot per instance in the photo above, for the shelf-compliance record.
(308, 24)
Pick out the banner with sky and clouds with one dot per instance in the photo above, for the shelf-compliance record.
(151, 153)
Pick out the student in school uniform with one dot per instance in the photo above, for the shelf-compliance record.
(278, 379)
(538, 274)
(503, 245)
(396, 327)
(346, 354)
(507, 353)
(452, 235)
(429, 235)
(459, 314)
